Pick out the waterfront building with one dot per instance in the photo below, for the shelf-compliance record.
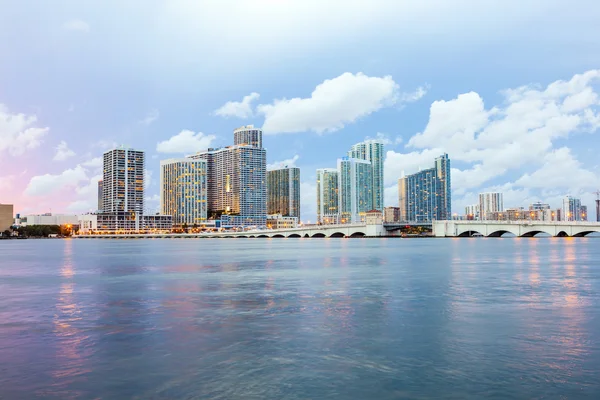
(571, 209)
(328, 181)
(374, 217)
(472, 212)
(283, 192)
(583, 214)
(539, 206)
(49, 219)
(123, 222)
(123, 181)
(372, 151)
(355, 190)
(391, 214)
(491, 202)
(248, 136)
(278, 221)
(426, 195)
(100, 196)
(6, 216)
(183, 190)
(236, 181)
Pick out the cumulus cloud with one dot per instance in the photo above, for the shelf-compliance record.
(43, 185)
(290, 162)
(239, 109)
(63, 152)
(386, 139)
(333, 104)
(18, 133)
(411, 97)
(150, 117)
(185, 141)
(95, 162)
(76, 25)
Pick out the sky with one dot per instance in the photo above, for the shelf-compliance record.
(509, 89)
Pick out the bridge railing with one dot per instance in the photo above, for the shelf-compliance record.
(524, 222)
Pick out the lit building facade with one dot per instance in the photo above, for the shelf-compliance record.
(355, 190)
(571, 209)
(472, 212)
(123, 181)
(372, 151)
(278, 221)
(248, 136)
(490, 203)
(100, 201)
(583, 214)
(183, 190)
(427, 195)
(328, 196)
(391, 214)
(283, 192)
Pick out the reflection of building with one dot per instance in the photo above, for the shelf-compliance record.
(327, 196)
(183, 190)
(426, 195)
(6, 216)
(278, 221)
(356, 182)
(283, 192)
(490, 203)
(123, 181)
(100, 202)
(372, 151)
(571, 209)
(391, 214)
(236, 180)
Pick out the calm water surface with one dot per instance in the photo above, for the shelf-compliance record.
(300, 319)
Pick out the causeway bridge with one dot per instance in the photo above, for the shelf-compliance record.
(517, 228)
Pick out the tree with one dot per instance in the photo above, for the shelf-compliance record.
(6, 233)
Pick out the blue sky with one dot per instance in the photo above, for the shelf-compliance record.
(480, 80)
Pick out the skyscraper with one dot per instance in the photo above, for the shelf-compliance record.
(571, 209)
(237, 180)
(100, 195)
(328, 195)
(183, 190)
(490, 203)
(123, 181)
(248, 135)
(356, 189)
(283, 192)
(373, 151)
(426, 195)
(583, 214)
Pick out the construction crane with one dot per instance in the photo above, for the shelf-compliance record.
(597, 193)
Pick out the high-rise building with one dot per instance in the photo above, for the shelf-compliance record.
(6, 216)
(328, 195)
(490, 203)
(373, 151)
(472, 212)
(248, 135)
(123, 181)
(583, 213)
(283, 192)
(571, 209)
(237, 179)
(100, 196)
(356, 189)
(183, 190)
(426, 195)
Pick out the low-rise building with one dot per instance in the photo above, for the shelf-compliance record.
(391, 214)
(115, 222)
(49, 219)
(374, 217)
(278, 221)
(6, 216)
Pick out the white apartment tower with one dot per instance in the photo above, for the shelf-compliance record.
(356, 189)
(372, 151)
(123, 181)
(490, 203)
(328, 195)
(571, 209)
(183, 190)
(248, 135)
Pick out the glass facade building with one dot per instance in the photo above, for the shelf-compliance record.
(427, 195)
(283, 192)
(571, 210)
(183, 190)
(490, 203)
(355, 190)
(328, 183)
(372, 151)
(123, 181)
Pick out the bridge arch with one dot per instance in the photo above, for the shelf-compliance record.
(469, 233)
(294, 235)
(535, 232)
(262, 236)
(337, 235)
(562, 234)
(584, 233)
(278, 235)
(318, 235)
(306, 235)
(358, 235)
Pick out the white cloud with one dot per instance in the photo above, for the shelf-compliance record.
(42, 185)
(290, 162)
(147, 178)
(63, 152)
(239, 109)
(105, 144)
(87, 196)
(77, 25)
(95, 162)
(386, 139)
(185, 142)
(150, 118)
(308, 202)
(333, 104)
(17, 133)
(418, 94)
(152, 204)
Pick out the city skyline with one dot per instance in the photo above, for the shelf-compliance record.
(509, 127)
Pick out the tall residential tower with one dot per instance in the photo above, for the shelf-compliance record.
(183, 190)
(283, 192)
(123, 181)
(356, 189)
(372, 151)
(328, 195)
